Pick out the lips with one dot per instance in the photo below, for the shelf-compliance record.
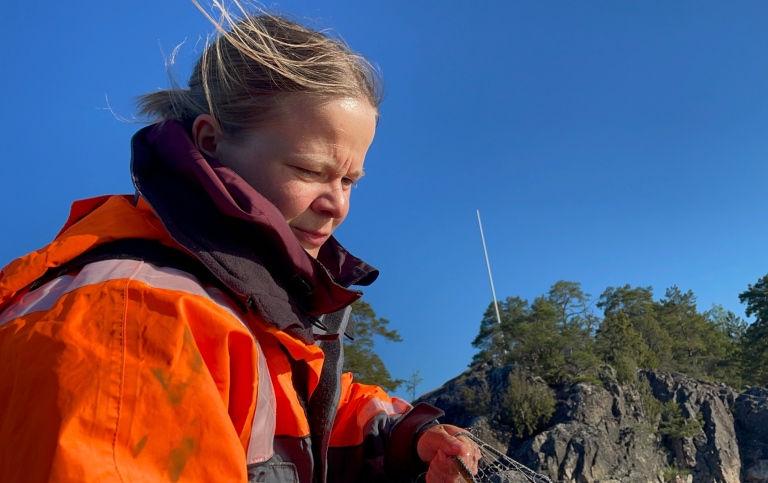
(312, 238)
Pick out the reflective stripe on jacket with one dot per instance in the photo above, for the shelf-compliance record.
(128, 371)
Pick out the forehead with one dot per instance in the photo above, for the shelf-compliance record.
(302, 104)
(303, 119)
(326, 132)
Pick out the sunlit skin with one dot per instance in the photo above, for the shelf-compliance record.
(438, 445)
(305, 161)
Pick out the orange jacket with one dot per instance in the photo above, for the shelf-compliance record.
(126, 371)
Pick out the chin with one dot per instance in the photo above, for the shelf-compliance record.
(312, 252)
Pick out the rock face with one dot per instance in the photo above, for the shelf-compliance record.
(599, 433)
(662, 427)
(751, 414)
(713, 453)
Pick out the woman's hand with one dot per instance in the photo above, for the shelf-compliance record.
(438, 447)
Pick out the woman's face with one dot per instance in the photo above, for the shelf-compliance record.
(305, 161)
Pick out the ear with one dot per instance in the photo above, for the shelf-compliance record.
(206, 135)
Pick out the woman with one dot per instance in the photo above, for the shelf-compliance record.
(192, 331)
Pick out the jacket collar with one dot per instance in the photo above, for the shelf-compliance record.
(240, 236)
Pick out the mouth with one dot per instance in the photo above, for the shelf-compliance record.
(311, 238)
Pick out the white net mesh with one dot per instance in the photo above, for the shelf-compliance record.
(496, 467)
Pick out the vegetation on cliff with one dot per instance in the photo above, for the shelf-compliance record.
(561, 337)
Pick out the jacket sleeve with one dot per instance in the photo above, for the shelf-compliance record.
(116, 380)
(375, 435)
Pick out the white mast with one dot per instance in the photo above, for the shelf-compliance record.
(488, 264)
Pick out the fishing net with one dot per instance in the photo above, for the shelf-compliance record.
(496, 467)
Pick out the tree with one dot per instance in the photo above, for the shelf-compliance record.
(618, 343)
(640, 310)
(755, 340)
(732, 326)
(574, 307)
(495, 340)
(359, 356)
(411, 383)
(550, 337)
(727, 366)
(558, 336)
(577, 323)
(694, 340)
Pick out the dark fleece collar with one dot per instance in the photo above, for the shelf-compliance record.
(240, 236)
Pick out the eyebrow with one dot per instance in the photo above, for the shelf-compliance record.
(356, 175)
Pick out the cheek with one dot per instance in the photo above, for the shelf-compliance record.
(273, 185)
(290, 199)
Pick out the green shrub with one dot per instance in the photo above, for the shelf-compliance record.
(652, 406)
(587, 378)
(626, 369)
(476, 399)
(673, 472)
(526, 405)
(675, 425)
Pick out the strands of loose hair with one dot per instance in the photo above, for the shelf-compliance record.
(252, 58)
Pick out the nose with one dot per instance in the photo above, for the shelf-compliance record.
(333, 201)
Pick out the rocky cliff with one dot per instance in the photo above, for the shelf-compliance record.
(657, 428)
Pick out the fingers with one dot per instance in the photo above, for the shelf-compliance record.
(444, 469)
(469, 462)
(440, 445)
(437, 438)
(470, 452)
(473, 455)
(453, 443)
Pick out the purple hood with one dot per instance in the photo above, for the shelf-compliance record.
(240, 236)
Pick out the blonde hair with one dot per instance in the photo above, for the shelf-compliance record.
(254, 60)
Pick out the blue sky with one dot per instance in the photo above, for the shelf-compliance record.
(603, 142)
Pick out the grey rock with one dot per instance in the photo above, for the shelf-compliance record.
(757, 473)
(509, 477)
(713, 454)
(751, 413)
(604, 432)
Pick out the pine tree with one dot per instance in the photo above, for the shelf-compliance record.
(755, 341)
(495, 340)
(728, 365)
(552, 337)
(694, 340)
(640, 310)
(359, 356)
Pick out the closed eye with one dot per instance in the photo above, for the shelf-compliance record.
(308, 173)
(349, 182)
